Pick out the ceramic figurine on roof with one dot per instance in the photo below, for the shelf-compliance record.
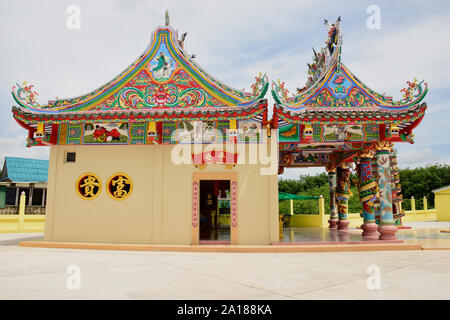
(338, 116)
(333, 35)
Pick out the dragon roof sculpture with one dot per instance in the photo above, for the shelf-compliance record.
(333, 94)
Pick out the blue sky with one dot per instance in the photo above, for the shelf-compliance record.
(233, 40)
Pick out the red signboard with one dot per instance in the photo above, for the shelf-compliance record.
(215, 156)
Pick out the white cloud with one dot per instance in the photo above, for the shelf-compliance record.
(15, 147)
(414, 156)
(386, 59)
(233, 40)
(294, 173)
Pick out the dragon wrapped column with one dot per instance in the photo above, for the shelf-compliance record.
(367, 189)
(396, 189)
(387, 229)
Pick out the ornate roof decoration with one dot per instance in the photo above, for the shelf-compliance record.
(334, 92)
(141, 115)
(164, 80)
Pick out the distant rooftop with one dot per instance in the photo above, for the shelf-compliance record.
(441, 189)
(24, 170)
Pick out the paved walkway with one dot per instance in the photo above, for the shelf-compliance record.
(37, 273)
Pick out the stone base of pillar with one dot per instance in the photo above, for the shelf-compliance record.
(370, 231)
(387, 232)
(333, 223)
(343, 225)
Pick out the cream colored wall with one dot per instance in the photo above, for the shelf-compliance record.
(159, 209)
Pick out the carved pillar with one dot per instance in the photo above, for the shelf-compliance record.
(367, 189)
(342, 195)
(396, 189)
(387, 229)
(331, 169)
(376, 204)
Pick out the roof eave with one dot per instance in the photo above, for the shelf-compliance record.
(166, 114)
(354, 115)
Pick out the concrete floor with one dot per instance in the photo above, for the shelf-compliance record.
(37, 273)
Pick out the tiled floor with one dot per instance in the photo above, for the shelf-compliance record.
(428, 233)
(322, 235)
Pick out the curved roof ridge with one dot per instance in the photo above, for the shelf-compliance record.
(387, 101)
(328, 63)
(413, 94)
(26, 98)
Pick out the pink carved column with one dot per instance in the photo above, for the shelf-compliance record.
(233, 213)
(195, 212)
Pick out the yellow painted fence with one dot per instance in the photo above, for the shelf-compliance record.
(30, 223)
(22, 223)
(320, 220)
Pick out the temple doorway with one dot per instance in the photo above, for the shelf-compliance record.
(214, 211)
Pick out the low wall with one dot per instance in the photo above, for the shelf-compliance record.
(420, 215)
(22, 219)
(320, 220)
(9, 210)
(307, 221)
(39, 210)
(26, 223)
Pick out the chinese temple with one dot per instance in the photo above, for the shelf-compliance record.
(157, 155)
(337, 122)
(165, 153)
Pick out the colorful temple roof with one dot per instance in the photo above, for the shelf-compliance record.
(163, 84)
(334, 95)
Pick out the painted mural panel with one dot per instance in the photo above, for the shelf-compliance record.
(343, 133)
(303, 157)
(341, 91)
(194, 131)
(372, 132)
(210, 131)
(162, 65)
(106, 133)
(249, 131)
(172, 132)
(74, 133)
(138, 133)
(289, 133)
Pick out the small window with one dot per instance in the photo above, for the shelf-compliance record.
(37, 197)
(11, 196)
(71, 156)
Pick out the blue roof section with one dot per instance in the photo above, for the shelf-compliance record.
(25, 170)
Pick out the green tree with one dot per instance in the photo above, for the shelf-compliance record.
(418, 182)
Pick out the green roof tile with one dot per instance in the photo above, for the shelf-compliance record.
(25, 170)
